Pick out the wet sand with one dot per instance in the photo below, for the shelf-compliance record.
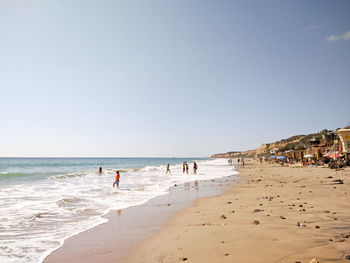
(127, 228)
(280, 214)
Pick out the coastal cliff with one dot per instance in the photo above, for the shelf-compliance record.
(296, 142)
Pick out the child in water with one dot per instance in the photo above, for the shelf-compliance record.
(117, 177)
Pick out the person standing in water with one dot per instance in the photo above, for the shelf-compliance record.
(183, 167)
(100, 170)
(195, 168)
(117, 177)
(168, 169)
(186, 167)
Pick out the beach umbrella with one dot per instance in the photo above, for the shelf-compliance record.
(281, 157)
(273, 156)
(333, 155)
(308, 156)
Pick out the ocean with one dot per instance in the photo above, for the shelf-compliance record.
(46, 200)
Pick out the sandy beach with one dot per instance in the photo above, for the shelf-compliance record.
(114, 240)
(277, 214)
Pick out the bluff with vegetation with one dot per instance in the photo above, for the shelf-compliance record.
(297, 142)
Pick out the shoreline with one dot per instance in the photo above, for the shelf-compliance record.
(124, 231)
(280, 214)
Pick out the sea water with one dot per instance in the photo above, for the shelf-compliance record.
(43, 201)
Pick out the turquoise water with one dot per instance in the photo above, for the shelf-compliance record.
(22, 170)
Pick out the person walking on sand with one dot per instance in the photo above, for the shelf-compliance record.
(168, 169)
(186, 168)
(117, 177)
(195, 168)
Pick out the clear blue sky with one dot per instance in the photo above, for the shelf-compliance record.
(169, 78)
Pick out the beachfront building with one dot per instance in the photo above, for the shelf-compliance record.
(344, 136)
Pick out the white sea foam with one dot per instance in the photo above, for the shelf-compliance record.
(36, 218)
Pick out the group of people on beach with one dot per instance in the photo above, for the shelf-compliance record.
(238, 161)
(184, 169)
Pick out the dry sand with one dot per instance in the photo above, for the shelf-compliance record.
(278, 214)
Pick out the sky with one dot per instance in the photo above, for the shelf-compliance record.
(163, 78)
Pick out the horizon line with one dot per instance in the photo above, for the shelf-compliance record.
(95, 157)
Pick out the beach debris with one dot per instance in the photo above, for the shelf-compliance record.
(314, 261)
(282, 217)
(257, 210)
(223, 217)
(339, 181)
(345, 235)
(301, 224)
(317, 227)
(256, 222)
